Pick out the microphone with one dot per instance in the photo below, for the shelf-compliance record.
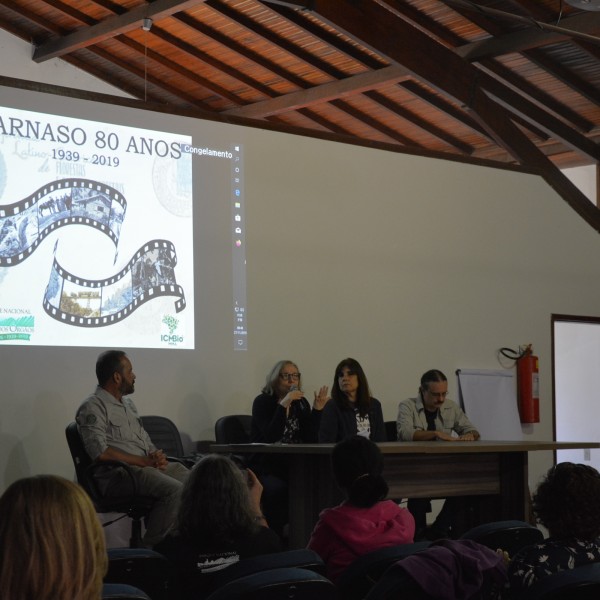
(300, 404)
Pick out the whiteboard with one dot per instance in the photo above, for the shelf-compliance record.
(489, 399)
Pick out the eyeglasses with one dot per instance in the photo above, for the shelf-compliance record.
(290, 376)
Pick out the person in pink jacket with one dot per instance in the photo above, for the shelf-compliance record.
(365, 521)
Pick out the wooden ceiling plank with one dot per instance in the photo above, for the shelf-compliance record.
(178, 68)
(313, 61)
(452, 41)
(375, 124)
(515, 104)
(453, 76)
(565, 75)
(410, 116)
(300, 19)
(522, 148)
(219, 65)
(249, 111)
(441, 104)
(242, 50)
(274, 38)
(322, 93)
(317, 118)
(33, 18)
(302, 4)
(321, 65)
(110, 27)
(438, 66)
(479, 9)
(519, 41)
(503, 75)
(143, 77)
(538, 57)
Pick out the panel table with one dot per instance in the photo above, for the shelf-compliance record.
(495, 471)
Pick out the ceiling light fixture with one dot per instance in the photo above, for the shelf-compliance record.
(146, 23)
(585, 4)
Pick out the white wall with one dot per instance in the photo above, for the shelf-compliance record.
(585, 179)
(402, 262)
(16, 62)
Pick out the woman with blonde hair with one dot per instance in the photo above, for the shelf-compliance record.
(51, 542)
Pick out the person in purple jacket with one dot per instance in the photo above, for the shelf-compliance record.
(365, 521)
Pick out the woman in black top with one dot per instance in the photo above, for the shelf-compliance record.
(219, 522)
(352, 411)
(281, 413)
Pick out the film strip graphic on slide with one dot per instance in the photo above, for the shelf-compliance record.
(96, 303)
(25, 224)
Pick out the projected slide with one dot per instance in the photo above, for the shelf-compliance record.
(96, 235)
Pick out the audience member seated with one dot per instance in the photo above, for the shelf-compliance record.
(352, 410)
(111, 430)
(51, 542)
(566, 503)
(281, 413)
(365, 521)
(219, 522)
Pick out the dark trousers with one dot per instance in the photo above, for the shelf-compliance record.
(451, 517)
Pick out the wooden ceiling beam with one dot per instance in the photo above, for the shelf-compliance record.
(315, 62)
(492, 13)
(411, 117)
(263, 62)
(500, 73)
(539, 58)
(514, 101)
(323, 93)
(444, 106)
(496, 71)
(570, 79)
(299, 18)
(528, 154)
(375, 124)
(110, 27)
(519, 41)
(372, 25)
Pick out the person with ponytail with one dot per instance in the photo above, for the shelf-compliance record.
(365, 521)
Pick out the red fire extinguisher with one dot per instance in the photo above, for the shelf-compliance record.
(528, 382)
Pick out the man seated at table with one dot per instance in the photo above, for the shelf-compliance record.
(431, 416)
(111, 429)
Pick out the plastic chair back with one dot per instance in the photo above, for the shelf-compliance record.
(164, 434)
(119, 591)
(233, 429)
(141, 568)
(580, 583)
(277, 584)
(510, 536)
(356, 581)
(302, 559)
(391, 431)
